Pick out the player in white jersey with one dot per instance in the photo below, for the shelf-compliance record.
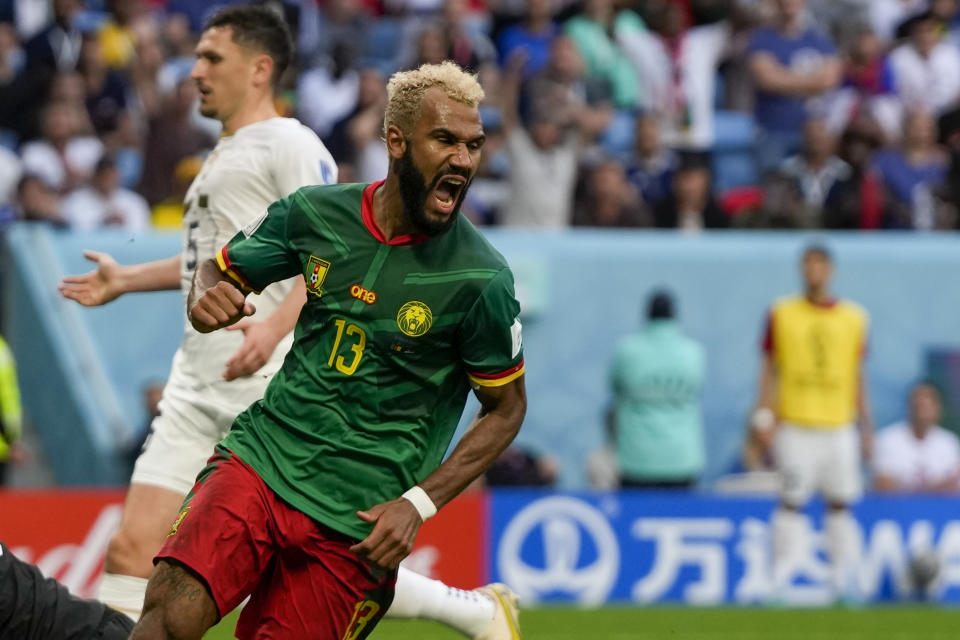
(259, 159)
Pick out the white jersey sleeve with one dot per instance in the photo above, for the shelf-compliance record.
(244, 174)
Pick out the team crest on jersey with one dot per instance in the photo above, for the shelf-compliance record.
(414, 319)
(176, 525)
(316, 272)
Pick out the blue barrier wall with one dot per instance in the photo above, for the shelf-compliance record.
(583, 290)
(82, 370)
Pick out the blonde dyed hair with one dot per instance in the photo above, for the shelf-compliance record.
(406, 89)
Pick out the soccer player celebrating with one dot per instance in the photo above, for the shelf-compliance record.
(259, 159)
(812, 391)
(317, 493)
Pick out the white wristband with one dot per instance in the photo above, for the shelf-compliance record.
(763, 419)
(421, 502)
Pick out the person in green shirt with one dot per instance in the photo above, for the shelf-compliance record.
(10, 411)
(656, 378)
(317, 493)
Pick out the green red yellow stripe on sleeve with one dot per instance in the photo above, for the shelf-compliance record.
(497, 379)
(223, 261)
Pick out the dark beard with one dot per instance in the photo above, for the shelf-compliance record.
(414, 191)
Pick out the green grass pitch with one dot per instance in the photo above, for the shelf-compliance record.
(637, 623)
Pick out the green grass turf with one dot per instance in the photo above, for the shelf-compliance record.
(636, 623)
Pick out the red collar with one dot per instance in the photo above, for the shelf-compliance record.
(366, 211)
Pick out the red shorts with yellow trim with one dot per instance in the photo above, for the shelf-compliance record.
(242, 539)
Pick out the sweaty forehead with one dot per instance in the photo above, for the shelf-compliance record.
(441, 111)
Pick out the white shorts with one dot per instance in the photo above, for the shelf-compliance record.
(192, 420)
(817, 459)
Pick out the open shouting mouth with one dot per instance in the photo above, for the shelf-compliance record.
(447, 192)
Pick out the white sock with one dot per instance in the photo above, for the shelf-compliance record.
(789, 543)
(123, 593)
(843, 547)
(418, 596)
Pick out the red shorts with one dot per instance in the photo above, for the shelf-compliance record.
(242, 539)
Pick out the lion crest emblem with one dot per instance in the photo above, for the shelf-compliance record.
(414, 319)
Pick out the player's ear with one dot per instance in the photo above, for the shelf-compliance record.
(396, 142)
(263, 69)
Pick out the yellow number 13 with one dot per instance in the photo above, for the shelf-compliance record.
(357, 347)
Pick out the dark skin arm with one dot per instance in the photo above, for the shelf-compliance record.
(397, 522)
(215, 301)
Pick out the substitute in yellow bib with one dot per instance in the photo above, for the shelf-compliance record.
(10, 414)
(811, 400)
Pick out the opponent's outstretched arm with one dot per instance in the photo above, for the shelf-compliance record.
(110, 280)
(397, 522)
(215, 301)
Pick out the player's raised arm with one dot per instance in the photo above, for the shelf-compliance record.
(110, 280)
(257, 256)
(397, 522)
(215, 301)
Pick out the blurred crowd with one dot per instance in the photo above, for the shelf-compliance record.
(690, 114)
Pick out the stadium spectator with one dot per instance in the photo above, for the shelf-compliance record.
(329, 91)
(868, 86)
(655, 377)
(677, 65)
(595, 31)
(355, 141)
(466, 46)
(104, 203)
(860, 200)
(609, 200)
(544, 152)
(328, 25)
(917, 454)
(564, 86)
(926, 68)
(519, 467)
(651, 165)
(37, 202)
(912, 173)
(690, 204)
(12, 57)
(534, 35)
(430, 46)
(11, 415)
(887, 15)
(65, 156)
(117, 34)
(106, 91)
(54, 49)
(811, 392)
(170, 138)
(790, 64)
(816, 169)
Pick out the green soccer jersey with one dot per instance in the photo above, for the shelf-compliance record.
(386, 347)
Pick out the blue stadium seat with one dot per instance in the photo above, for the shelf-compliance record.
(734, 164)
